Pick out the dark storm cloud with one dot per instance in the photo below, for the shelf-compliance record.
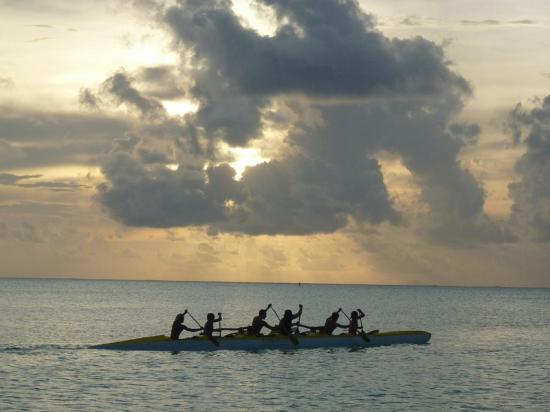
(372, 94)
(531, 194)
(300, 195)
(161, 82)
(149, 156)
(428, 144)
(120, 86)
(328, 49)
(161, 197)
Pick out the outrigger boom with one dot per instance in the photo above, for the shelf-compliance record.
(245, 342)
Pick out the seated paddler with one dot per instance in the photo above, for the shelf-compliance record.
(286, 324)
(354, 321)
(178, 326)
(208, 329)
(259, 322)
(331, 323)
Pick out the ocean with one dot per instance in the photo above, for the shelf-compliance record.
(490, 348)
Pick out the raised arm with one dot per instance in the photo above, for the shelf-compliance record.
(219, 317)
(299, 313)
(361, 314)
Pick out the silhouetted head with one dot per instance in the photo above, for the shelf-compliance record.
(179, 318)
(210, 316)
(354, 314)
(334, 315)
(288, 314)
(262, 313)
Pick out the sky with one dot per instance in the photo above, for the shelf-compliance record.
(324, 141)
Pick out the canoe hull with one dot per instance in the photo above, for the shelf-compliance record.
(246, 343)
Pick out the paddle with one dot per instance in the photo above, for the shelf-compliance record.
(292, 338)
(211, 339)
(363, 334)
(220, 324)
(192, 317)
(340, 310)
(371, 332)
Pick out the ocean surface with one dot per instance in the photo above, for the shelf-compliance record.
(490, 349)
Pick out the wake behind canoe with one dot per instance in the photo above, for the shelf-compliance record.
(245, 342)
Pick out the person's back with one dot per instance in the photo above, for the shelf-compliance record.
(178, 326)
(208, 329)
(285, 324)
(330, 324)
(354, 321)
(258, 323)
(256, 327)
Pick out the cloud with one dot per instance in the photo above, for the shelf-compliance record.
(524, 21)
(120, 86)
(23, 231)
(38, 39)
(161, 82)
(531, 194)
(31, 138)
(159, 197)
(411, 21)
(493, 22)
(486, 22)
(350, 94)
(89, 99)
(14, 180)
(10, 179)
(327, 49)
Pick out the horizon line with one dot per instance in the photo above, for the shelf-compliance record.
(50, 277)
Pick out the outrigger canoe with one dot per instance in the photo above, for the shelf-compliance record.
(246, 343)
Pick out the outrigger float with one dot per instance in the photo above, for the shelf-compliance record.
(253, 343)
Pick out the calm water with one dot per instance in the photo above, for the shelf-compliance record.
(490, 349)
